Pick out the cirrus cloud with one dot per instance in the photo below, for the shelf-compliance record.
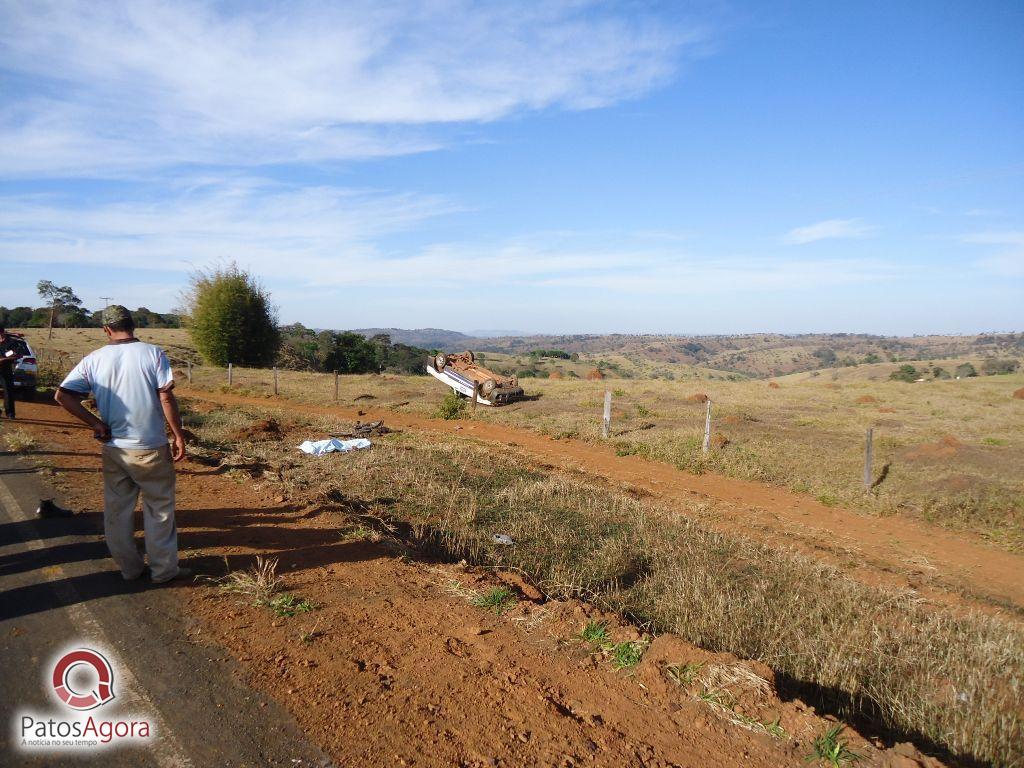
(830, 229)
(104, 88)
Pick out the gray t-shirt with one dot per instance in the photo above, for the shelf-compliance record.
(126, 379)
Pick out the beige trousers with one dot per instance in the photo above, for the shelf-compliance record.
(126, 473)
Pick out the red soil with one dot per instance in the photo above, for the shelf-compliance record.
(394, 668)
(966, 568)
(1019, 394)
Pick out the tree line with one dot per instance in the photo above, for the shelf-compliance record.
(231, 319)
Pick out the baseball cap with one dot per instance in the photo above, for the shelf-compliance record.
(115, 314)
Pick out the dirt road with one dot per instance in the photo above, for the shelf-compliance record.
(940, 564)
(58, 590)
(394, 665)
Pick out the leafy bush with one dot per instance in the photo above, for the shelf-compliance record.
(965, 371)
(452, 406)
(232, 319)
(905, 373)
(994, 366)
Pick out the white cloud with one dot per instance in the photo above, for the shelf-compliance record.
(325, 238)
(1005, 237)
(1007, 260)
(102, 88)
(830, 229)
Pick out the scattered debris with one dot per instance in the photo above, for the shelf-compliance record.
(320, 447)
(369, 429)
(501, 538)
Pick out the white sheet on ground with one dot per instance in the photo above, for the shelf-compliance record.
(320, 447)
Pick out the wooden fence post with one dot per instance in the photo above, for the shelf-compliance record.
(707, 429)
(229, 374)
(476, 392)
(606, 423)
(275, 379)
(869, 450)
(189, 363)
(335, 386)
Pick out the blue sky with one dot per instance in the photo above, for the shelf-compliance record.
(710, 167)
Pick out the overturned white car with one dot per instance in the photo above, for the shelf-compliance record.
(461, 372)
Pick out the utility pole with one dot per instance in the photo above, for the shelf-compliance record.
(106, 301)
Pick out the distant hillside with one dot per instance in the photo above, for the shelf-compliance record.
(428, 338)
(765, 354)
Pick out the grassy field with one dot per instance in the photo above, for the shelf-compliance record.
(940, 676)
(947, 451)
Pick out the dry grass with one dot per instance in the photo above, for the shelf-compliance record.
(258, 584)
(18, 440)
(951, 678)
(807, 435)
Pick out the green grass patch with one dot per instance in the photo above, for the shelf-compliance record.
(498, 600)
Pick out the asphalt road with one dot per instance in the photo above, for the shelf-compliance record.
(60, 590)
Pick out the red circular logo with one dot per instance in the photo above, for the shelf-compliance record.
(104, 679)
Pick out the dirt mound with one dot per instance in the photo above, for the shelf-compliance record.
(1019, 394)
(865, 400)
(831, 386)
(946, 448)
(556, 375)
(719, 440)
(887, 410)
(594, 375)
(773, 385)
(263, 429)
(697, 397)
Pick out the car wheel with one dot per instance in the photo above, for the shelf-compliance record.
(488, 386)
(440, 361)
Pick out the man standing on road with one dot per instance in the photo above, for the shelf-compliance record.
(132, 382)
(9, 356)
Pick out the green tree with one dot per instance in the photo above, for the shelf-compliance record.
(232, 319)
(59, 298)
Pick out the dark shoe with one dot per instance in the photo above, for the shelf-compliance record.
(183, 573)
(143, 573)
(48, 509)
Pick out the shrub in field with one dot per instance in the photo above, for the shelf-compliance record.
(965, 371)
(452, 406)
(232, 319)
(904, 373)
(994, 366)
